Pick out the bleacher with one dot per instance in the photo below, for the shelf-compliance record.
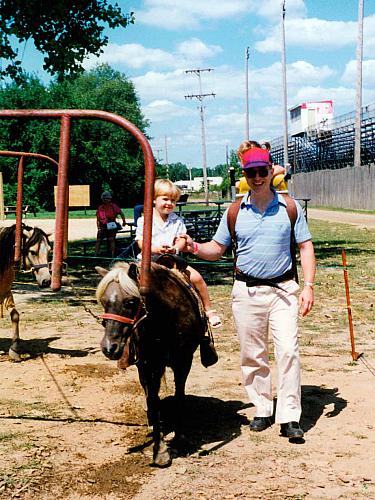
(329, 149)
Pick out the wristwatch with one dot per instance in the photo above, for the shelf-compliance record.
(309, 283)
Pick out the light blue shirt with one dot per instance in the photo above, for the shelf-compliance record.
(162, 234)
(264, 239)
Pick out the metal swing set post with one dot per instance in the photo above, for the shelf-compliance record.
(61, 223)
(20, 170)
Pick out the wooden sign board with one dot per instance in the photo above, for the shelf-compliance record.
(79, 196)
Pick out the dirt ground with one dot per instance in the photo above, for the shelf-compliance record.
(73, 424)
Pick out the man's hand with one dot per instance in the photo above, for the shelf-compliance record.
(188, 245)
(306, 300)
(163, 249)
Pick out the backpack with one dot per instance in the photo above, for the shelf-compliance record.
(291, 210)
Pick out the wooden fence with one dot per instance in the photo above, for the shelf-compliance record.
(343, 188)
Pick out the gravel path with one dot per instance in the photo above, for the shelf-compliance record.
(355, 218)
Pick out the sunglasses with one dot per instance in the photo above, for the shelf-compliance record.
(252, 172)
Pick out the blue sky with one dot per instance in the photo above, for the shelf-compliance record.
(171, 36)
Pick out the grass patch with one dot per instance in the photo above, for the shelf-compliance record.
(8, 436)
(334, 209)
(329, 315)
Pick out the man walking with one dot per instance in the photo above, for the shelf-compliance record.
(265, 295)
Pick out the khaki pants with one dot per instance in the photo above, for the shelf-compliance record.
(256, 311)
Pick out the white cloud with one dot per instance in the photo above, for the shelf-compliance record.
(195, 50)
(368, 73)
(309, 33)
(341, 96)
(135, 56)
(302, 71)
(229, 120)
(155, 85)
(271, 9)
(189, 14)
(164, 110)
(228, 83)
(319, 34)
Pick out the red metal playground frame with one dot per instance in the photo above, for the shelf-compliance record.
(61, 223)
(21, 155)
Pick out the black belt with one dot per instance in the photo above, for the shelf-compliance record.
(251, 281)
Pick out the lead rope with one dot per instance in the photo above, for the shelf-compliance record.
(77, 295)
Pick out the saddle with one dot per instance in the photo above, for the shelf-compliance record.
(207, 349)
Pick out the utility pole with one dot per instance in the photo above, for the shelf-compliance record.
(232, 175)
(158, 151)
(283, 73)
(358, 99)
(166, 156)
(200, 98)
(247, 125)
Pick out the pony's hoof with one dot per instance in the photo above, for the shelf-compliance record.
(162, 456)
(14, 356)
(162, 459)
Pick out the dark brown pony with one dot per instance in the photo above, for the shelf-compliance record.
(35, 249)
(164, 328)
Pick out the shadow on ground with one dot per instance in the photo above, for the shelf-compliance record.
(315, 400)
(209, 424)
(36, 347)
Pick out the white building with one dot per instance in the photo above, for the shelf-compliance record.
(196, 184)
(307, 115)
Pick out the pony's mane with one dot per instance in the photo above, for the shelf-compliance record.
(7, 241)
(36, 237)
(119, 273)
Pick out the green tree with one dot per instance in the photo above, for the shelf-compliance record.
(101, 154)
(65, 31)
(178, 171)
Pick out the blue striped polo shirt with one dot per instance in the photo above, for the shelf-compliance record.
(264, 239)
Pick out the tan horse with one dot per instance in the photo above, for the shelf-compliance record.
(35, 249)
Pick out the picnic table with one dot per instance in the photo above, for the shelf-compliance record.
(202, 223)
(11, 209)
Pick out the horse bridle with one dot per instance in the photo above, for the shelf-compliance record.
(36, 267)
(124, 319)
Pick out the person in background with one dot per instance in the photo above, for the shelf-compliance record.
(106, 222)
(280, 175)
(242, 186)
(167, 227)
(265, 296)
(137, 213)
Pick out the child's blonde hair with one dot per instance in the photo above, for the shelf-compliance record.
(166, 187)
(245, 146)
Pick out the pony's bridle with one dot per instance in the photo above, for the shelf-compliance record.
(32, 268)
(124, 319)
